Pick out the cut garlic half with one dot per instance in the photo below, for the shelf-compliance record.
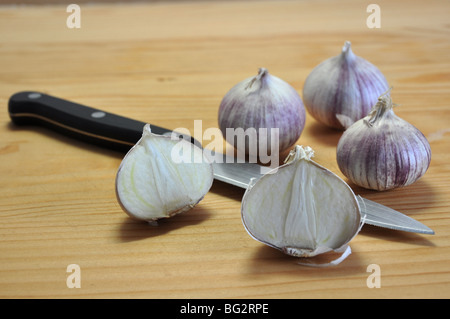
(302, 209)
(161, 177)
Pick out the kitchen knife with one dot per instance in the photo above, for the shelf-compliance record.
(120, 133)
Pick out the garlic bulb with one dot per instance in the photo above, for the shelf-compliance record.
(302, 209)
(262, 103)
(383, 151)
(161, 177)
(343, 89)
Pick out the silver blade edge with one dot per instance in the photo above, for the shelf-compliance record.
(379, 215)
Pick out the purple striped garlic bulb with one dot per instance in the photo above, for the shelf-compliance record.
(383, 151)
(343, 89)
(261, 104)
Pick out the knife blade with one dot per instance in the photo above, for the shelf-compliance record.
(120, 133)
(240, 174)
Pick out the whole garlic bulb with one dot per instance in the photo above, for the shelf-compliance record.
(302, 208)
(343, 89)
(263, 102)
(383, 151)
(161, 177)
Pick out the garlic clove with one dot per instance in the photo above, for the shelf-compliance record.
(383, 151)
(262, 104)
(161, 177)
(302, 209)
(343, 89)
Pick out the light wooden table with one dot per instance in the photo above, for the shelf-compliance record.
(171, 64)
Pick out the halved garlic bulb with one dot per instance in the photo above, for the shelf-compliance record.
(302, 208)
(161, 177)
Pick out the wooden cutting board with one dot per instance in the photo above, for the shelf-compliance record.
(170, 64)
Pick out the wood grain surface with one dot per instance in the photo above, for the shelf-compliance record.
(171, 64)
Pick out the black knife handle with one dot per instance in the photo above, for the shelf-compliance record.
(82, 122)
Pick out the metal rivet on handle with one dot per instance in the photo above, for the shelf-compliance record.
(98, 115)
(34, 95)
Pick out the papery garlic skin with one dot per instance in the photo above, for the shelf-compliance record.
(343, 89)
(151, 184)
(303, 209)
(263, 102)
(383, 151)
